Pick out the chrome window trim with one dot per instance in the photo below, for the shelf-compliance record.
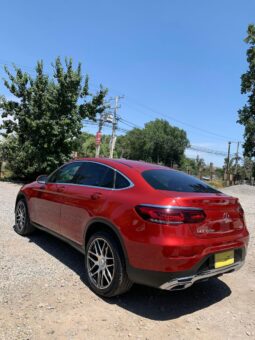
(169, 207)
(131, 184)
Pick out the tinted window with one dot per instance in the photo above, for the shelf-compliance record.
(175, 181)
(66, 174)
(95, 175)
(121, 182)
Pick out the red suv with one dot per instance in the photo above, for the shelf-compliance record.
(136, 222)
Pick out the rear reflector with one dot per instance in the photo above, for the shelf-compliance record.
(170, 215)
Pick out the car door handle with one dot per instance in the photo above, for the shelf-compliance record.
(96, 195)
(61, 188)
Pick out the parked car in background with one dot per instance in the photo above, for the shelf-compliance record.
(136, 222)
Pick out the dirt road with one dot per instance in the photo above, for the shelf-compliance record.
(43, 295)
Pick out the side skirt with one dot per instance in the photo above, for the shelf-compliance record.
(61, 237)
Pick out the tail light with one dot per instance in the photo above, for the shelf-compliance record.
(241, 211)
(170, 215)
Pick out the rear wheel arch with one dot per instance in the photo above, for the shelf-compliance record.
(102, 225)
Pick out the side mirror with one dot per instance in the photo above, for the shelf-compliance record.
(42, 179)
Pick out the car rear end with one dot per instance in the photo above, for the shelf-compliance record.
(201, 233)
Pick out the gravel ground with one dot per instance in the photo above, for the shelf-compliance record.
(43, 294)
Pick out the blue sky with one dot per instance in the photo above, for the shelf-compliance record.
(173, 59)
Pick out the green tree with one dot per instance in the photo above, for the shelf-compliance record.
(158, 142)
(164, 143)
(194, 166)
(199, 163)
(122, 147)
(45, 119)
(87, 145)
(131, 145)
(188, 165)
(247, 113)
(248, 168)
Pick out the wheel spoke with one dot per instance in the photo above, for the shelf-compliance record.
(109, 273)
(92, 253)
(20, 215)
(102, 280)
(94, 265)
(95, 273)
(99, 278)
(91, 259)
(96, 249)
(103, 249)
(99, 248)
(100, 263)
(105, 276)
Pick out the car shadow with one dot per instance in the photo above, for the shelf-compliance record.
(160, 305)
(144, 301)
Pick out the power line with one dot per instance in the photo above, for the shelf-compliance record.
(226, 138)
(129, 124)
(107, 125)
(148, 108)
(180, 122)
(191, 147)
(210, 151)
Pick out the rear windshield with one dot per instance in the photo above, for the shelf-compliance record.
(172, 180)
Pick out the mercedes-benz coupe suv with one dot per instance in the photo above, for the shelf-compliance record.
(136, 222)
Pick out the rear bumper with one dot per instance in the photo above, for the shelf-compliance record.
(203, 270)
(187, 281)
(172, 255)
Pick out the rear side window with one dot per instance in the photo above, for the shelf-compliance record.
(95, 174)
(121, 182)
(172, 180)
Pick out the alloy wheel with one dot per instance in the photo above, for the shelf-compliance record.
(100, 263)
(21, 215)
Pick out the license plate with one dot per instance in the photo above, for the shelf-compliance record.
(224, 259)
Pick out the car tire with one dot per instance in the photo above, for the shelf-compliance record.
(22, 221)
(105, 266)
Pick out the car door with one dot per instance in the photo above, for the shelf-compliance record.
(87, 197)
(49, 197)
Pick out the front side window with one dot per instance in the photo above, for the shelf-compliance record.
(94, 174)
(173, 180)
(66, 174)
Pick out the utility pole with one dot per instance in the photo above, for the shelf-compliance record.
(114, 125)
(99, 134)
(228, 161)
(105, 117)
(237, 157)
(211, 171)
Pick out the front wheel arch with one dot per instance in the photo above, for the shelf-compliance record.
(27, 228)
(20, 195)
